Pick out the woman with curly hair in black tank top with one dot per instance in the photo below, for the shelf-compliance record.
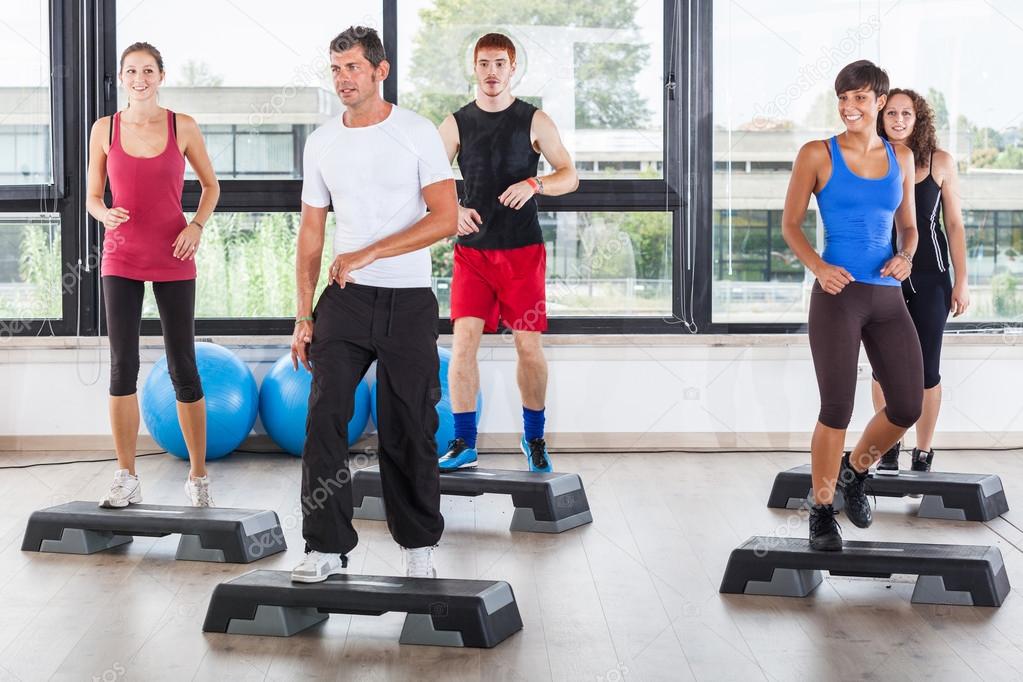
(929, 292)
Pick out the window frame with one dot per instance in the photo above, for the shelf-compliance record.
(86, 90)
(59, 18)
(65, 194)
(263, 195)
(704, 124)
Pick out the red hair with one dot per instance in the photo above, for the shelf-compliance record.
(495, 41)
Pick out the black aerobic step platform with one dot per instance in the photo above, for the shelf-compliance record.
(946, 495)
(237, 536)
(441, 612)
(544, 503)
(963, 575)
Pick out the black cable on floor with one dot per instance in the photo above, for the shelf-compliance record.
(76, 461)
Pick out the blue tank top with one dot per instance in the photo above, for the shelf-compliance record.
(857, 214)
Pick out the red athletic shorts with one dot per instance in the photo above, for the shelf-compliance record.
(505, 284)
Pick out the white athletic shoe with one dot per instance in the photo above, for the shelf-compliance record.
(126, 489)
(317, 567)
(419, 562)
(197, 490)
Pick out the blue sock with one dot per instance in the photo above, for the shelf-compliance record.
(465, 427)
(533, 423)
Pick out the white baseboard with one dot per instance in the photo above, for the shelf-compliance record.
(580, 442)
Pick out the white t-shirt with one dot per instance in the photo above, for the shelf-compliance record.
(374, 176)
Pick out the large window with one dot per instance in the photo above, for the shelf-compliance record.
(29, 244)
(41, 268)
(595, 66)
(245, 266)
(774, 69)
(994, 257)
(597, 69)
(26, 149)
(255, 75)
(30, 272)
(608, 264)
(758, 278)
(683, 119)
(599, 264)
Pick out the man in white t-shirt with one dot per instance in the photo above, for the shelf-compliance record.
(382, 168)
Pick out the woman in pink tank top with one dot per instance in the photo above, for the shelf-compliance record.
(142, 151)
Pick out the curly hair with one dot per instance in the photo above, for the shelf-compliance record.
(923, 141)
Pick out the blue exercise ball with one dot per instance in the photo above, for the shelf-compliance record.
(284, 406)
(231, 395)
(445, 420)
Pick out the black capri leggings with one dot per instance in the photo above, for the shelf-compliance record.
(877, 315)
(929, 299)
(176, 301)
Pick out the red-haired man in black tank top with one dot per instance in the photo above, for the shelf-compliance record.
(500, 259)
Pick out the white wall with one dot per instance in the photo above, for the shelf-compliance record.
(607, 391)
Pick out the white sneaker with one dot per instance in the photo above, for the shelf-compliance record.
(419, 562)
(197, 490)
(126, 489)
(317, 567)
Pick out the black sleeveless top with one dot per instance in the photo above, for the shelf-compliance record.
(494, 153)
(932, 248)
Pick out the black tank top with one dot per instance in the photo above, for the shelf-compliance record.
(932, 248)
(494, 153)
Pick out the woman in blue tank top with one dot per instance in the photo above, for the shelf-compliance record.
(930, 294)
(862, 184)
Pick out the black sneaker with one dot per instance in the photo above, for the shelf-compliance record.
(889, 464)
(854, 489)
(825, 533)
(536, 454)
(922, 460)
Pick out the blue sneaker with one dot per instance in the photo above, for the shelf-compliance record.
(536, 454)
(458, 456)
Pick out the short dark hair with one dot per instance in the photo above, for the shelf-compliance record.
(495, 41)
(862, 74)
(364, 36)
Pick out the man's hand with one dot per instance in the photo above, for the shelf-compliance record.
(345, 263)
(468, 221)
(300, 341)
(517, 195)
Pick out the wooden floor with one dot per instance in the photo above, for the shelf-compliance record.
(633, 596)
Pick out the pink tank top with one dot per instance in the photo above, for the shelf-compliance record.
(150, 189)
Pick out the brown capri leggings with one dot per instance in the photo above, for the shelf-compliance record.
(878, 316)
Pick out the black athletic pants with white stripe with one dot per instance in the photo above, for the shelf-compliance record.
(352, 327)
